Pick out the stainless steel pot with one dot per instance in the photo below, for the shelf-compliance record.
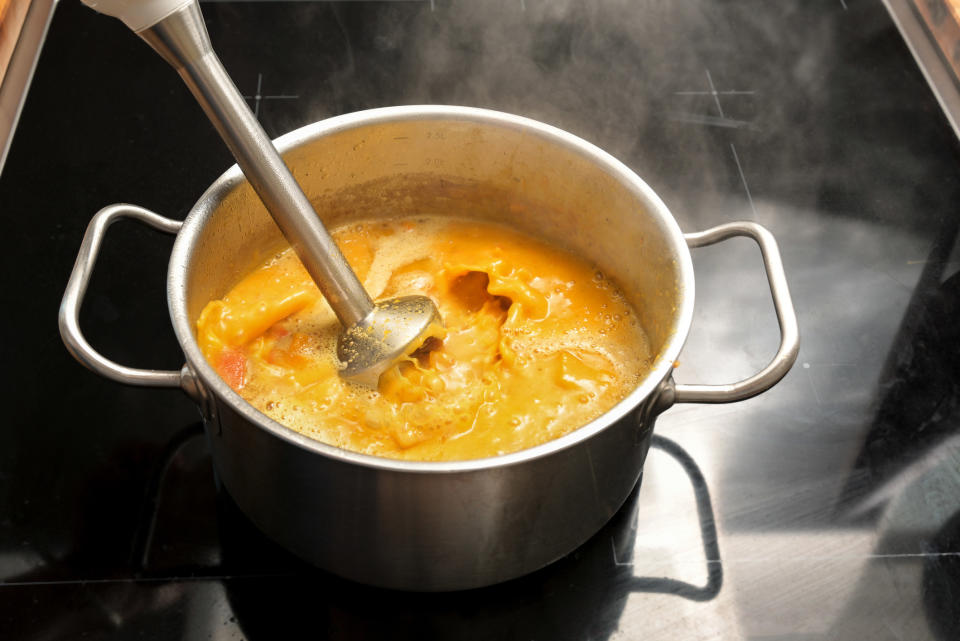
(452, 525)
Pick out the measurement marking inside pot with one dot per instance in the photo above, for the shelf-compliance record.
(743, 179)
(256, 98)
(593, 478)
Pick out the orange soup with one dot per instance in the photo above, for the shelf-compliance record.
(537, 343)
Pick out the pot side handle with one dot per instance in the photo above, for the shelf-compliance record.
(70, 331)
(786, 316)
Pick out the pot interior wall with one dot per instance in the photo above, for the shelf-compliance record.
(532, 180)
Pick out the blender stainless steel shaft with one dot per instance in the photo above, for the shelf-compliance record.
(181, 38)
(374, 335)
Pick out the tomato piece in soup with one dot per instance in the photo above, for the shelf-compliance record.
(232, 367)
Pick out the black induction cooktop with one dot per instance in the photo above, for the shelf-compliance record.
(826, 508)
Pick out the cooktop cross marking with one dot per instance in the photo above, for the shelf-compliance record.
(743, 179)
(715, 93)
(713, 90)
(258, 97)
(724, 121)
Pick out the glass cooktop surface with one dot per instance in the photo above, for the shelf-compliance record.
(825, 508)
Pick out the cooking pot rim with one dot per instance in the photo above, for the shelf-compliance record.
(209, 201)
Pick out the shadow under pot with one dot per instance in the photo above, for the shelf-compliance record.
(434, 526)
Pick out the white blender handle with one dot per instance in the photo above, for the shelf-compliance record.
(137, 14)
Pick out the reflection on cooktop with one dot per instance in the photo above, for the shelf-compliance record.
(835, 495)
(941, 581)
(918, 415)
(580, 596)
(269, 592)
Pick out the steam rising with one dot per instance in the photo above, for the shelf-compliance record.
(628, 76)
